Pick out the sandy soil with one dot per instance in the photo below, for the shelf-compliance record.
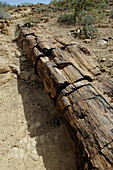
(31, 136)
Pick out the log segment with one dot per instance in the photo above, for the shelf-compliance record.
(72, 78)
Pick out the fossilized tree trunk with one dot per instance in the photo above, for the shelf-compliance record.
(72, 78)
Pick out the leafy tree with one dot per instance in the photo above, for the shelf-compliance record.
(87, 5)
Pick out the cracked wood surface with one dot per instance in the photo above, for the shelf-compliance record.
(72, 78)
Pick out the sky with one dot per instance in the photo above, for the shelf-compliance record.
(17, 2)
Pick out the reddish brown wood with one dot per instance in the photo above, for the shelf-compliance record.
(82, 96)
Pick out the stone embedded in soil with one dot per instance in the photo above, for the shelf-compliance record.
(25, 75)
(42, 139)
(16, 156)
(102, 59)
(21, 154)
(24, 59)
(4, 68)
(18, 54)
(103, 70)
(33, 77)
(34, 126)
(111, 59)
(28, 147)
(34, 157)
(34, 151)
(102, 42)
(33, 143)
(25, 140)
(15, 69)
(4, 78)
(15, 149)
(87, 41)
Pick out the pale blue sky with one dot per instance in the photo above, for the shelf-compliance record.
(16, 2)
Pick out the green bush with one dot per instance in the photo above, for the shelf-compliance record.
(39, 9)
(88, 28)
(4, 14)
(54, 2)
(67, 18)
(87, 20)
(5, 5)
(31, 19)
(87, 5)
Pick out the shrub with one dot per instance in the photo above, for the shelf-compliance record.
(4, 14)
(54, 2)
(67, 18)
(88, 26)
(87, 20)
(39, 9)
(88, 5)
(31, 19)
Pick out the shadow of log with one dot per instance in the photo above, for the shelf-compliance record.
(52, 142)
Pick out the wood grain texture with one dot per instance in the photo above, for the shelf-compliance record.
(73, 80)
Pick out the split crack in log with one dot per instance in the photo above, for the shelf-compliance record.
(72, 78)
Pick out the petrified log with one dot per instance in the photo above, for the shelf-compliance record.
(73, 80)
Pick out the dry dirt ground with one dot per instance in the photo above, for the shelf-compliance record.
(31, 137)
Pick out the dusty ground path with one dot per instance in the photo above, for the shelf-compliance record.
(31, 138)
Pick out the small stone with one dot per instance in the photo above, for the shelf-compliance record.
(24, 59)
(15, 69)
(33, 77)
(28, 147)
(102, 59)
(101, 42)
(15, 149)
(3, 66)
(34, 151)
(42, 139)
(4, 78)
(18, 54)
(87, 41)
(24, 75)
(25, 140)
(34, 157)
(21, 153)
(103, 70)
(105, 39)
(31, 127)
(56, 137)
(36, 125)
(47, 138)
(33, 143)
(109, 65)
(110, 38)
(41, 159)
(50, 146)
(20, 142)
(111, 59)
(16, 156)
